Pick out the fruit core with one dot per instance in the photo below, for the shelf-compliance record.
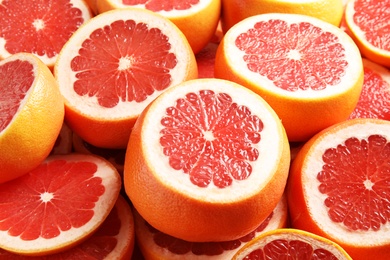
(211, 138)
(295, 56)
(124, 61)
(355, 178)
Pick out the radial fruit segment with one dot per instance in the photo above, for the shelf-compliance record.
(34, 26)
(197, 19)
(114, 66)
(339, 186)
(213, 152)
(309, 71)
(57, 204)
(29, 99)
(374, 101)
(291, 244)
(368, 23)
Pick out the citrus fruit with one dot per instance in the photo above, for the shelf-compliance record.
(57, 205)
(93, 6)
(31, 114)
(207, 160)
(63, 144)
(309, 71)
(374, 101)
(157, 245)
(368, 23)
(113, 66)
(234, 11)
(39, 27)
(291, 244)
(197, 19)
(114, 239)
(338, 187)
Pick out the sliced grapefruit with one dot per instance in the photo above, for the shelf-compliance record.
(374, 101)
(31, 114)
(197, 19)
(57, 205)
(368, 23)
(291, 244)
(206, 155)
(339, 187)
(113, 66)
(234, 11)
(113, 240)
(157, 245)
(39, 27)
(309, 71)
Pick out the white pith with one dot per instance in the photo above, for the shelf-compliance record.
(66, 77)
(315, 200)
(263, 169)
(352, 56)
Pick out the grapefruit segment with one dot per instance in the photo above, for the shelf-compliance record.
(212, 152)
(58, 204)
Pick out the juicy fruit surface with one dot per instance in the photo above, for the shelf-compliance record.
(298, 63)
(18, 78)
(132, 73)
(43, 204)
(25, 23)
(372, 18)
(210, 137)
(355, 181)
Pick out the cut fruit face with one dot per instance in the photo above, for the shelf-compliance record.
(291, 244)
(119, 60)
(374, 99)
(209, 139)
(294, 67)
(57, 204)
(34, 26)
(346, 176)
(368, 22)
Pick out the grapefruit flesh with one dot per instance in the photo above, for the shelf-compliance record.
(39, 27)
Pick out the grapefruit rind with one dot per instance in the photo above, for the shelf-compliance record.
(42, 103)
(111, 182)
